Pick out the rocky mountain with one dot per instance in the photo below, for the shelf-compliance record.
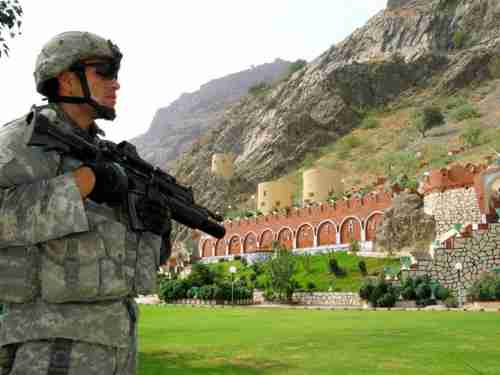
(434, 45)
(176, 126)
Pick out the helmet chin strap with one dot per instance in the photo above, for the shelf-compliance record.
(101, 111)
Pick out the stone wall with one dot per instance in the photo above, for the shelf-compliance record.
(319, 298)
(327, 298)
(477, 251)
(457, 206)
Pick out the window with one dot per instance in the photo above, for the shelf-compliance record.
(262, 204)
(278, 203)
(264, 193)
(350, 226)
(311, 195)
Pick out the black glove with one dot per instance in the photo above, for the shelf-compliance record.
(155, 215)
(111, 183)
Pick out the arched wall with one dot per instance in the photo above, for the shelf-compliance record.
(220, 247)
(305, 236)
(266, 240)
(207, 248)
(327, 233)
(235, 245)
(350, 230)
(286, 238)
(250, 244)
(371, 225)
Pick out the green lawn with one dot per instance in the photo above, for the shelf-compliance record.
(253, 341)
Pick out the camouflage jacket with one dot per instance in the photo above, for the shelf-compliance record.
(66, 264)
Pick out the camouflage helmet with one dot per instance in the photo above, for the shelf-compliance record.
(67, 48)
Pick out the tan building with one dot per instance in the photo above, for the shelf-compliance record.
(318, 183)
(223, 165)
(274, 195)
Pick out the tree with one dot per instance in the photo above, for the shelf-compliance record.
(280, 270)
(427, 118)
(10, 23)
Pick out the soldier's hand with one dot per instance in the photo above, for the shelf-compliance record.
(111, 183)
(85, 180)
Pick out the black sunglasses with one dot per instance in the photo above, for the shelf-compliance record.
(107, 70)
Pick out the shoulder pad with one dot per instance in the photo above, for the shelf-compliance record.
(12, 137)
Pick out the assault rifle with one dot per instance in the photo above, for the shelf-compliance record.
(143, 177)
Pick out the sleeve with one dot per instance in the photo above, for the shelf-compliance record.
(40, 211)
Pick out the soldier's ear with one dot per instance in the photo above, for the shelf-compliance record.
(66, 81)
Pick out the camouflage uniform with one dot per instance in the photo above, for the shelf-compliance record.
(69, 268)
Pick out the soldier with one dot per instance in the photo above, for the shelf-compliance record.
(69, 263)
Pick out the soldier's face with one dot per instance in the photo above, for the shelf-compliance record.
(103, 87)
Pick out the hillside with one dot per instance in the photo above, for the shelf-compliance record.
(176, 126)
(413, 54)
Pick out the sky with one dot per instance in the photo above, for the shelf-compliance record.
(175, 46)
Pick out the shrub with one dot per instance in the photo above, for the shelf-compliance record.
(259, 88)
(464, 112)
(408, 293)
(387, 300)
(269, 295)
(442, 293)
(423, 291)
(458, 38)
(426, 119)
(354, 246)
(296, 66)
(486, 288)
(369, 123)
(280, 270)
(311, 286)
(381, 294)
(366, 290)
(471, 135)
(455, 101)
(362, 268)
(201, 274)
(171, 290)
(451, 302)
(334, 267)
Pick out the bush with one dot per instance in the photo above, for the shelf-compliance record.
(408, 293)
(464, 112)
(296, 66)
(354, 246)
(362, 268)
(387, 300)
(369, 123)
(471, 135)
(423, 291)
(426, 119)
(366, 290)
(201, 274)
(171, 290)
(311, 286)
(381, 294)
(334, 267)
(486, 288)
(259, 88)
(458, 39)
(451, 302)
(455, 101)
(442, 293)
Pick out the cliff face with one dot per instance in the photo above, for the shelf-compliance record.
(176, 126)
(439, 46)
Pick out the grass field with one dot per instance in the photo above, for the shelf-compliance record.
(254, 341)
